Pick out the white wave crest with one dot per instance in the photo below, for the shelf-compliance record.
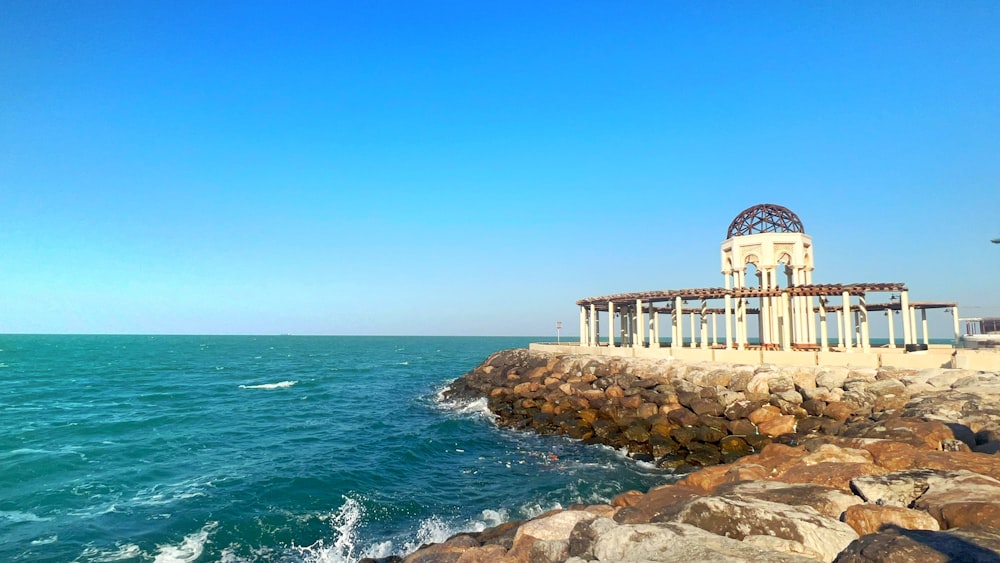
(344, 523)
(476, 407)
(189, 549)
(346, 546)
(278, 385)
(121, 552)
(19, 516)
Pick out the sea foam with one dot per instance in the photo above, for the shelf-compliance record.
(278, 385)
(189, 549)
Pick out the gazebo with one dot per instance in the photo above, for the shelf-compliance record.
(768, 301)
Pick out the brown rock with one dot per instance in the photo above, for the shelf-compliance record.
(741, 409)
(764, 414)
(780, 384)
(961, 498)
(628, 498)
(683, 417)
(827, 501)
(891, 455)
(739, 519)
(836, 454)
(647, 410)
(749, 472)
(783, 424)
(809, 425)
(703, 455)
(659, 504)
(836, 475)
(707, 478)
(742, 427)
(709, 435)
(734, 444)
(484, 554)
(684, 435)
(838, 411)
(447, 552)
(705, 406)
(896, 545)
(871, 518)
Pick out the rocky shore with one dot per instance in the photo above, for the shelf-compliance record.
(777, 463)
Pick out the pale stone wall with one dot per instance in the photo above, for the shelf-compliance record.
(935, 357)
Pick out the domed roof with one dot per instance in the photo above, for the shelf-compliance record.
(765, 218)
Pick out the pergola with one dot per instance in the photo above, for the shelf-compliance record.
(762, 242)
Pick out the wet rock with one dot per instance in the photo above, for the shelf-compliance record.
(682, 417)
(703, 455)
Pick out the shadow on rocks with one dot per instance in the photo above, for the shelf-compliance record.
(894, 544)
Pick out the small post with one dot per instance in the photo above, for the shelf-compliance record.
(558, 331)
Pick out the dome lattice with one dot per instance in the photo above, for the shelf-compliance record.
(765, 218)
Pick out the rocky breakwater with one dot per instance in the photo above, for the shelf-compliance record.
(871, 466)
(679, 415)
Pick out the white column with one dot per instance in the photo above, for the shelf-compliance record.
(786, 331)
(675, 325)
(744, 336)
(923, 321)
(656, 329)
(840, 328)
(904, 308)
(611, 324)
(630, 326)
(639, 322)
(865, 343)
(654, 339)
(954, 317)
(715, 329)
(824, 340)
(774, 303)
(728, 317)
(892, 327)
(583, 326)
(913, 323)
(703, 317)
(694, 331)
(848, 325)
(593, 325)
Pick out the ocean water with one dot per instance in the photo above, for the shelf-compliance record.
(256, 448)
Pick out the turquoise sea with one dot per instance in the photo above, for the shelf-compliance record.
(265, 448)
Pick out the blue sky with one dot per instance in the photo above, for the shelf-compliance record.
(476, 167)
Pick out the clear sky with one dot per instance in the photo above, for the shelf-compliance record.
(476, 167)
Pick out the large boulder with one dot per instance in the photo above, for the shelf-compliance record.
(828, 501)
(871, 518)
(738, 519)
(678, 543)
(896, 545)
